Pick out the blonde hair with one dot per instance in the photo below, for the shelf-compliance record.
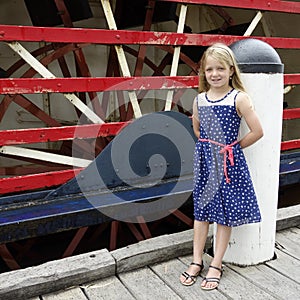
(224, 55)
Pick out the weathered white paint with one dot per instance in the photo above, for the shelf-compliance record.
(253, 24)
(121, 56)
(254, 243)
(175, 61)
(41, 155)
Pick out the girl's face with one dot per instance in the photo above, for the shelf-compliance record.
(216, 73)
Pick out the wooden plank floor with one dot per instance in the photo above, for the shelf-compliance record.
(276, 279)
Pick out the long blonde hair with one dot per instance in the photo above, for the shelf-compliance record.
(224, 55)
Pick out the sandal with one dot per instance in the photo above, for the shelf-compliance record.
(193, 278)
(212, 279)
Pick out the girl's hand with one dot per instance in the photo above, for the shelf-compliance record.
(245, 109)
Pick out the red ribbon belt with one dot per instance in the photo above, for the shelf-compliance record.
(226, 149)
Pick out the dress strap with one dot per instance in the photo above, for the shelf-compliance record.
(225, 149)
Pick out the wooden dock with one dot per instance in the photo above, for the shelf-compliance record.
(150, 270)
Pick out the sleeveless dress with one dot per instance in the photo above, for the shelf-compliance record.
(223, 190)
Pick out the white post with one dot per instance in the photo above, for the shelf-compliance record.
(262, 74)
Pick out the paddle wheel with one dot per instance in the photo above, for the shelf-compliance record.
(92, 80)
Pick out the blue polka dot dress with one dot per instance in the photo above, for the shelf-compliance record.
(223, 190)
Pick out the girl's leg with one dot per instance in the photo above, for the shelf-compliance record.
(200, 236)
(222, 240)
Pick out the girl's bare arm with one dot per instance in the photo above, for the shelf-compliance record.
(245, 110)
(196, 127)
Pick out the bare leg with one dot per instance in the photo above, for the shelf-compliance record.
(200, 236)
(222, 240)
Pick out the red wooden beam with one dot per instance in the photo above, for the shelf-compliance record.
(292, 113)
(268, 5)
(292, 79)
(11, 33)
(290, 145)
(51, 134)
(36, 181)
(86, 84)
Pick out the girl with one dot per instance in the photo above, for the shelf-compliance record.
(223, 190)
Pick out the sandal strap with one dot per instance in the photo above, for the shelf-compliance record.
(187, 276)
(216, 268)
(212, 279)
(196, 264)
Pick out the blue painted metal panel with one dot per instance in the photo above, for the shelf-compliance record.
(146, 170)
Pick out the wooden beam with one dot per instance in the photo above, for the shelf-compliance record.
(44, 156)
(175, 61)
(128, 37)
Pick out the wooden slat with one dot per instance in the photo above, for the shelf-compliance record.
(290, 145)
(54, 134)
(70, 294)
(143, 284)
(289, 241)
(270, 280)
(129, 37)
(268, 5)
(35, 181)
(288, 265)
(176, 53)
(291, 113)
(109, 288)
(63, 85)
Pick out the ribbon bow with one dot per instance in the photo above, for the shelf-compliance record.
(226, 149)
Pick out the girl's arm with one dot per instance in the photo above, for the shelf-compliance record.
(196, 127)
(195, 119)
(245, 110)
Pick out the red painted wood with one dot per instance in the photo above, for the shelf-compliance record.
(84, 84)
(87, 84)
(292, 79)
(107, 37)
(290, 145)
(268, 5)
(292, 113)
(51, 134)
(35, 181)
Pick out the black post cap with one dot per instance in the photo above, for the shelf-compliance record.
(256, 56)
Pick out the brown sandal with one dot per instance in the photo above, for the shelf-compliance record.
(193, 278)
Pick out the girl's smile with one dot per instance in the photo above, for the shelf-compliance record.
(217, 74)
